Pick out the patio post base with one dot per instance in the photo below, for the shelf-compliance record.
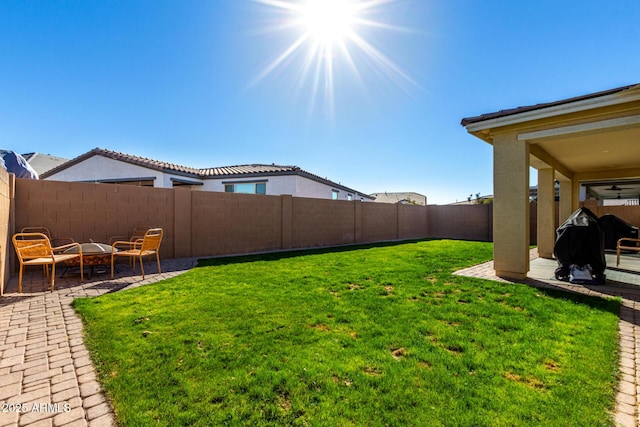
(546, 255)
(513, 275)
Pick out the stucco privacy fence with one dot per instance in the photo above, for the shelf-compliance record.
(204, 224)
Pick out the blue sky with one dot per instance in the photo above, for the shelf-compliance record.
(176, 81)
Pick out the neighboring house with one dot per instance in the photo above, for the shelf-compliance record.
(482, 200)
(42, 163)
(105, 166)
(407, 198)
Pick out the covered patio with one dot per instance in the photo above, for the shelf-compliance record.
(589, 144)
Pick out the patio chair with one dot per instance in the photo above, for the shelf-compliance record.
(147, 246)
(56, 241)
(36, 249)
(138, 233)
(624, 244)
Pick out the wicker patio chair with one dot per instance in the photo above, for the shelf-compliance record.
(36, 249)
(625, 244)
(137, 234)
(55, 241)
(147, 246)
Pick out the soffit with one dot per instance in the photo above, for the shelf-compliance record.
(613, 149)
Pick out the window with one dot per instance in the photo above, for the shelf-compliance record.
(349, 197)
(334, 194)
(246, 187)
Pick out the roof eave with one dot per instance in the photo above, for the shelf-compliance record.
(475, 125)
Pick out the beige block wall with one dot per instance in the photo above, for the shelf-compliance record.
(319, 222)
(464, 222)
(85, 211)
(379, 222)
(6, 228)
(630, 214)
(201, 224)
(227, 223)
(413, 222)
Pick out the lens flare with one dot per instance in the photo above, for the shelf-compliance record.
(331, 36)
(328, 21)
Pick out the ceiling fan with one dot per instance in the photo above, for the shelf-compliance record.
(616, 188)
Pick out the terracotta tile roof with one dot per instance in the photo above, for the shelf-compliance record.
(246, 169)
(172, 167)
(216, 172)
(517, 110)
(115, 155)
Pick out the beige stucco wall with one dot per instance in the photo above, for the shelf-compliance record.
(511, 206)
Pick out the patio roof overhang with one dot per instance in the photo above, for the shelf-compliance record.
(591, 140)
(590, 134)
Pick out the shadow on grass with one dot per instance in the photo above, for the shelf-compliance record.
(293, 253)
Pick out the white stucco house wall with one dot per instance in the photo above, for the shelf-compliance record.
(105, 166)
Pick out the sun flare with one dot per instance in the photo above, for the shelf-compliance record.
(328, 21)
(331, 41)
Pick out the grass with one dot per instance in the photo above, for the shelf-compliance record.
(375, 336)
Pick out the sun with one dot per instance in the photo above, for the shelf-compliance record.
(329, 39)
(328, 21)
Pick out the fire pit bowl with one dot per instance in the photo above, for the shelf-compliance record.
(92, 254)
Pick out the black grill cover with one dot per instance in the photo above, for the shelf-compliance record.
(16, 164)
(580, 241)
(615, 228)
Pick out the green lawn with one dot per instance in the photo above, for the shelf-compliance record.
(366, 336)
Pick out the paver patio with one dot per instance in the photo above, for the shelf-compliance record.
(46, 369)
(46, 374)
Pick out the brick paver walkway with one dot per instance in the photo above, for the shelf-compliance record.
(47, 378)
(46, 374)
(541, 276)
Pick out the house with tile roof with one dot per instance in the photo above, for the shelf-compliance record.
(405, 198)
(106, 166)
(42, 163)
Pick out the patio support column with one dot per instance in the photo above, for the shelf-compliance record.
(575, 195)
(565, 201)
(510, 206)
(546, 212)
